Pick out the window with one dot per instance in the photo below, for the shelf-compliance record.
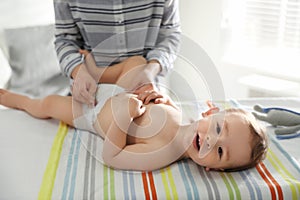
(264, 34)
(271, 23)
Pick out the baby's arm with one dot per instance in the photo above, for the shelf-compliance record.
(116, 152)
(125, 108)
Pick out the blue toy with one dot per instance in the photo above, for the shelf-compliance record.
(287, 122)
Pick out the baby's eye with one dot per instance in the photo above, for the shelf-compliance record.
(220, 152)
(218, 128)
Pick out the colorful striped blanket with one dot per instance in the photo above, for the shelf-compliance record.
(75, 171)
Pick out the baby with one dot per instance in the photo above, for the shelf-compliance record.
(143, 130)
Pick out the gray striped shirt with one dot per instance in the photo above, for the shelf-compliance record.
(114, 30)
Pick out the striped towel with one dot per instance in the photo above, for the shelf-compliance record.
(75, 171)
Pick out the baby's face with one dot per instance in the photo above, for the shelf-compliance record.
(222, 141)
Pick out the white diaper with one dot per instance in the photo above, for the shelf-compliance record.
(89, 117)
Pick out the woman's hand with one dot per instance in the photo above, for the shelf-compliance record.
(85, 77)
(137, 74)
(84, 86)
(154, 96)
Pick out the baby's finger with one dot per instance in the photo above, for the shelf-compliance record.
(160, 100)
(151, 97)
(156, 97)
(142, 96)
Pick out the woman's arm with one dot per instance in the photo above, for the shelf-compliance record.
(167, 45)
(67, 38)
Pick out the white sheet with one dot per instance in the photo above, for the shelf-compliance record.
(25, 144)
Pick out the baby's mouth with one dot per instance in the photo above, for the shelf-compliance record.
(197, 142)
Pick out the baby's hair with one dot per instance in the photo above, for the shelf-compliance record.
(259, 141)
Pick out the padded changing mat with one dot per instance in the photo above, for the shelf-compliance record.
(75, 171)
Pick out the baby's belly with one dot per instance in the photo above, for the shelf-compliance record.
(157, 121)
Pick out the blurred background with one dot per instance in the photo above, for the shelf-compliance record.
(253, 44)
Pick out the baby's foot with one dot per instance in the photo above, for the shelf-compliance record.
(2, 95)
(9, 99)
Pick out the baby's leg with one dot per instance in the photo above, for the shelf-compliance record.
(131, 63)
(12, 100)
(53, 106)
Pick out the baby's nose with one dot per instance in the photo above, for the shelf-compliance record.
(207, 145)
(211, 140)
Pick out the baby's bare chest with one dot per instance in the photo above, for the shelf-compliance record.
(157, 127)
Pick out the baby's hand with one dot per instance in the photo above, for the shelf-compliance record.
(126, 107)
(136, 107)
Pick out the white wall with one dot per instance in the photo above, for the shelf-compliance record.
(20, 13)
(201, 20)
(15, 13)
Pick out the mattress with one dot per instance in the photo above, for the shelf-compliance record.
(64, 163)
